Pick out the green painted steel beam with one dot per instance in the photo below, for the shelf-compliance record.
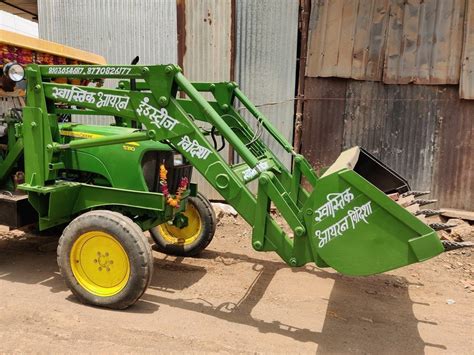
(266, 123)
(216, 120)
(103, 141)
(8, 164)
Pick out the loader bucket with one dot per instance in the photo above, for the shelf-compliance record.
(371, 169)
(355, 228)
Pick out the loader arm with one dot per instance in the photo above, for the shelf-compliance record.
(345, 221)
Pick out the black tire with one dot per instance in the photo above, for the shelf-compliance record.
(207, 231)
(147, 246)
(125, 235)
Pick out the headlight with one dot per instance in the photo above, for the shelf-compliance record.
(178, 159)
(14, 71)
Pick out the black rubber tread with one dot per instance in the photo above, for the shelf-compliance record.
(147, 245)
(213, 222)
(208, 218)
(133, 241)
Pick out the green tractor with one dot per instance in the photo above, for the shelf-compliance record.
(109, 184)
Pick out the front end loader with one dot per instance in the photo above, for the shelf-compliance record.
(108, 184)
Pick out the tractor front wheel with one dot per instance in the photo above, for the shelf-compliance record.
(105, 259)
(192, 239)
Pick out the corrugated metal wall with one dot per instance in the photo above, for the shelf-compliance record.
(347, 38)
(118, 30)
(453, 180)
(424, 132)
(266, 44)
(424, 42)
(397, 41)
(208, 40)
(396, 123)
(206, 52)
(262, 59)
(466, 86)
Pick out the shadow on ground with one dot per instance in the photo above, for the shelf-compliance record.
(369, 315)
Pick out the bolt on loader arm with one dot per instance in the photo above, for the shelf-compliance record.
(345, 220)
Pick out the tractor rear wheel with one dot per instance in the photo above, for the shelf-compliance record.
(105, 259)
(192, 239)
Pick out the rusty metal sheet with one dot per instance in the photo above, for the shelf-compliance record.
(347, 38)
(466, 86)
(205, 52)
(423, 132)
(323, 120)
(424, 42)
(397, 124)
(453, 180)
(208, 40)
(397, 41)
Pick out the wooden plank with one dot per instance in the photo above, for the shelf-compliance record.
(461, 214)
(466, 86)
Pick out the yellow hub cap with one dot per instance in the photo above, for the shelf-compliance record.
(186, 235)
(100, 264)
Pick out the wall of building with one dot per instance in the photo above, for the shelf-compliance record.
(251, 42)
(385, 74)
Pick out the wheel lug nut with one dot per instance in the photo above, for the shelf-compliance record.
(106, 254)
(95, 261)
(100, 269)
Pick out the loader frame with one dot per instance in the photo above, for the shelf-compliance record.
(168, 107)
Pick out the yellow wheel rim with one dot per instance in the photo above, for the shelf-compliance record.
(100, 264)
(186, 235)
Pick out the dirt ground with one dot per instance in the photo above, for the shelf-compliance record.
(233, 299)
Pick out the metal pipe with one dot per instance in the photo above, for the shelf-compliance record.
(216, 120)
(95, 142)
(266, 123)
(305, 6)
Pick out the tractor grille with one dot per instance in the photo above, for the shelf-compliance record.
(151, 170)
